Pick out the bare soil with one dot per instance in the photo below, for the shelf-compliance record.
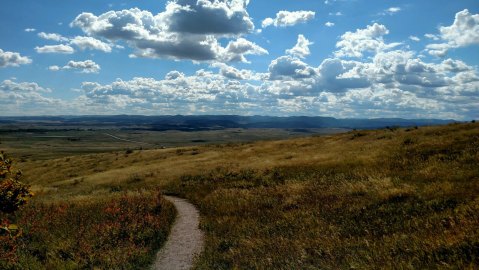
(185, 241)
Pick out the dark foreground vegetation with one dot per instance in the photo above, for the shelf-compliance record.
(119, 232)
(400, 198)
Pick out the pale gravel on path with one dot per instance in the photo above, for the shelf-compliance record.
(185, 241)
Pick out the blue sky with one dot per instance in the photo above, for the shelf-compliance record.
(340, 58)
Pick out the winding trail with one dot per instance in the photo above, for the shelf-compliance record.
(185, 241)
(126, 140)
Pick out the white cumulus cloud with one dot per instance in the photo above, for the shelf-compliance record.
(186, 30)
(289, 18)
(234, 73)
(391, 11)
(90, 43)
(12, 59)
(87, 66)
(236, 50)
(61, 48)
(414, 38)
(370, 39)
(52, 36)
(54, 68)
(462, 33)
(329, 24)
(290, 67)
(301, 49)
(27, 98)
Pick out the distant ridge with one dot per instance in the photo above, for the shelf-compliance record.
(215, 122)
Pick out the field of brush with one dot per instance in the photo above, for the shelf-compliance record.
(35, 142)
(389, 198)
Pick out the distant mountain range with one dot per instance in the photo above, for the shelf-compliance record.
(214, 122)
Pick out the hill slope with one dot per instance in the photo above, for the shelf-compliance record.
(365, 199)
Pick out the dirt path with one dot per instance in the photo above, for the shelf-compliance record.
(126, 140)
(185, 240)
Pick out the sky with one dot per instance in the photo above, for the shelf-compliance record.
(339, 58)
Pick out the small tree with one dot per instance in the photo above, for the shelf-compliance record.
(13, 194)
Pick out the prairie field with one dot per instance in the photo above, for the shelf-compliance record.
(405, 198)
(37, 142)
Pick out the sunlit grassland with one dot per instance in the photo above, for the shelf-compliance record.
(391, 198)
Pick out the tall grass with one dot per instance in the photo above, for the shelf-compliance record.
(119, 232)
(406, 199)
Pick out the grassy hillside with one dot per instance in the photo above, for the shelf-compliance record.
(403, 198)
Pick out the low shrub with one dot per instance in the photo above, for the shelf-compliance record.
(120, 232)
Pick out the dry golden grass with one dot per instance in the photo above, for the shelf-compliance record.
(392, 198)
